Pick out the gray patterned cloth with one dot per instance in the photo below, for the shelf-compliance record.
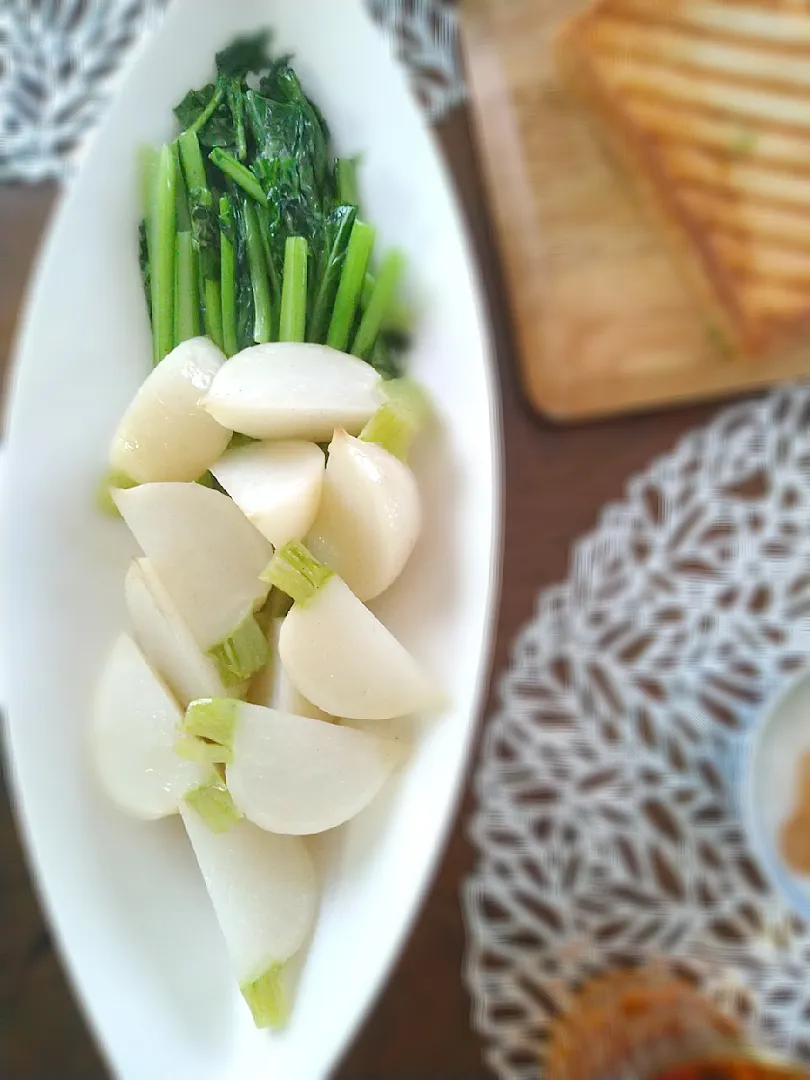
(59, 60)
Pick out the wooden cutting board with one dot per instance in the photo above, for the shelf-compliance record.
(605, 322)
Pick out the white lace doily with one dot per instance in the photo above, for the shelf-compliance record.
(59, 58)
(609, 823)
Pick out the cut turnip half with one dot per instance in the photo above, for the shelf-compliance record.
(288, 390)
(133, 730)
(273, 688)
(167, 642)
(370, 516)
(209, 558)
(338, 654)
(166, 434)
(264, 892)
(292, 774)
(276, 485)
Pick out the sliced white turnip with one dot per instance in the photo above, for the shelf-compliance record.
(209, 558)
(264, 892)
(166, 434)
(370, 516)
(338, 654)
(273, 687)
(276, 485)
(134, 726)
(292, 774)
(286, 390)
(167, 642)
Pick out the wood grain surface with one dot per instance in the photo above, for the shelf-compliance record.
(605, 320)
(557, 481)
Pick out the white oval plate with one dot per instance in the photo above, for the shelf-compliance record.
(125, 900)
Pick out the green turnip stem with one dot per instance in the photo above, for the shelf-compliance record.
(200, 195)
(263, 218)
(379, 304)
(227, 267)
(191, 748)
(239, 173)
(358, 254)
(395, 425)
(163, 260)
(399, 316)
(213, 719)
(348, 193)
(213, 312)
(104, 499)
(215, 806)
(293, 321)
(266, 998)
(242, 653)
(263, 322)
(192, 160)
(148, 159)
(181, 199)
(208, 111)
(186, 301)
(297, 572)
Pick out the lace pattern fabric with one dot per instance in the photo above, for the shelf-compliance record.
(609, 825)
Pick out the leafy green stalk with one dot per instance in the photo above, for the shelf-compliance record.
(145, 264)
(210, 108)
(148, 162)
(337, 233)
(346, 174)
(399, 319)
(351, 285)
(227, 255)
(379, 304)
(295, 571)
(263, 217)
(263, 319)
(165, 214)
(213, 312)
(239, 173)
(192, 162)
(186, 300)
(266, 998)
(181, 200)
(205, 232)
(236, 104)
(293, 319)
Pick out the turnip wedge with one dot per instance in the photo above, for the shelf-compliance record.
(133, 730)
(291, 774)
(370, 514)
(264, 892)
(276, 485)
(167, 642)
(338, 654)
(273, 687)
(293, 390)
(209, 558)
(165, 433)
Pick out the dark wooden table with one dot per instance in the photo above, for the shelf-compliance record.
(557, 481)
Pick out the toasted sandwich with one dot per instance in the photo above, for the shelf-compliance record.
(706, 103)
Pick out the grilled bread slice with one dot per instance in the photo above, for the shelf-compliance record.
(707, 105)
